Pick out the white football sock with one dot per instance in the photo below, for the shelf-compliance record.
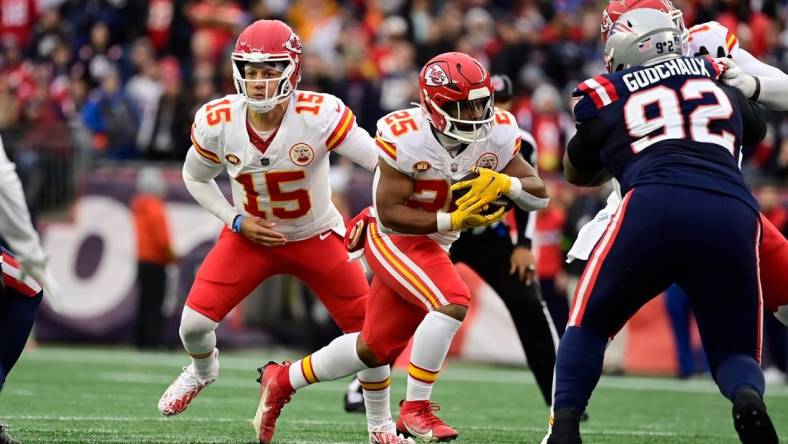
(430, 345)
(336, 360)
(199, 340)
(376, 383)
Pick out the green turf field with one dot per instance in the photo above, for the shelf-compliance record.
(86, 395)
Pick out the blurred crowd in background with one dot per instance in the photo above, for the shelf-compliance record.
(87, 84)
(121, 79)
(94, 80)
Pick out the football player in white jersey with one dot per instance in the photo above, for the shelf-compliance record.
(758, 81)
(274, 142)
(416, 291)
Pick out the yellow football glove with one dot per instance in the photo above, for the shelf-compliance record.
(462, 219)
(483, 189)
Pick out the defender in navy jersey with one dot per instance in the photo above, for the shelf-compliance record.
(670, 123)
(663, 126)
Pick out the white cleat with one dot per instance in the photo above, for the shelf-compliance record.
(183, 390)
(387, 434)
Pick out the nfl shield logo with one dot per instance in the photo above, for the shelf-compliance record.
(265, 161)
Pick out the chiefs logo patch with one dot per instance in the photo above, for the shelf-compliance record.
(487, 160)
(294, 44)
(301, 154)
(421, 166)
(436, 76)
(233, 159)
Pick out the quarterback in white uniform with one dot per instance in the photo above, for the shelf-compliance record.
(758, 81)
(274, 142)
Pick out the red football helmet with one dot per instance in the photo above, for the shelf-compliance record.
(456, 95)
(273, 43)
(616, 8)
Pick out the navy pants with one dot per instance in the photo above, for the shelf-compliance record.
(703, 241)
(17, 312)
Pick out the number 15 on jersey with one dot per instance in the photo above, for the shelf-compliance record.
(286, 199)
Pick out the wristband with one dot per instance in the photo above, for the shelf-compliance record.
(757, 92)
(236, 226)
(443, 221)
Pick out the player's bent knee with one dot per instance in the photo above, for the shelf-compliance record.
(366, 354)
(456, 311)
(195, 326)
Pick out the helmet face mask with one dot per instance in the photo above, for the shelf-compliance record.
(456, 95)
(265, 48)
(271, 78)
(469, 120)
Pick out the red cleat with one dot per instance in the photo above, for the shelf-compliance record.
(275, 392)
(416, 419)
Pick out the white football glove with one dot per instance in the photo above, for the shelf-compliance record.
(40, 271)
(782, 314)
(735, 77)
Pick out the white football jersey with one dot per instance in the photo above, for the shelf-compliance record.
(285, 179)
(406, 142)
(713, 39)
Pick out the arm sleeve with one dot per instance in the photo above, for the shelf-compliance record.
(774, 82)
(359, 147)
(199, 177)
(15, 224)
(583, 148)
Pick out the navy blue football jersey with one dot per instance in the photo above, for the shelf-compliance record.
(669, 123)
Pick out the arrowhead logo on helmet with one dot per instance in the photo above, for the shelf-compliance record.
(436, 76)
(294, 44)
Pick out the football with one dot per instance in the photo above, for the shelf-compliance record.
(492, 207)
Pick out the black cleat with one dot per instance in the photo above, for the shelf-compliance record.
(750, 419)
(354, 398)
(5, 438)
(565, 427)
